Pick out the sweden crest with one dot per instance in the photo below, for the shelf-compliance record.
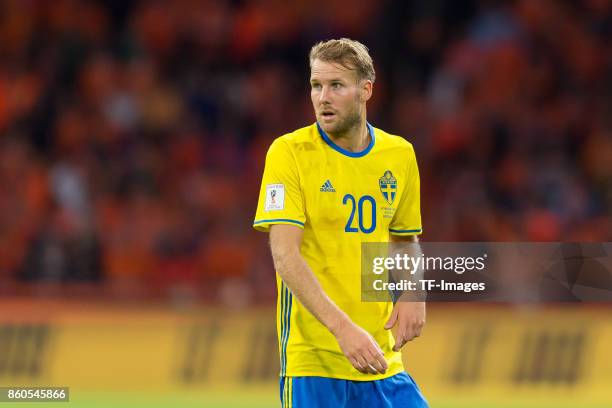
(388, 186)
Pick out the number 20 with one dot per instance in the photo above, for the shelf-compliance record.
(359, 206)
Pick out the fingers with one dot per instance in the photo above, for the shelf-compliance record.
(417, 331)
(400, 335)
(358, 365)
(406, 334)
(375, 350)
(362, 350)
(377, 360)
(377, 357)
(361, 364)
(371, 361)
(399, 343)
(364, 365)
(392, 319)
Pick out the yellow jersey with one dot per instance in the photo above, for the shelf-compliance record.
(340, 199)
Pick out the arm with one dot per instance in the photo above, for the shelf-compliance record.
(357, 345)
(408, 317)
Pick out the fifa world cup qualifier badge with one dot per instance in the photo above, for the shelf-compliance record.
(388, 188)
(275, 197)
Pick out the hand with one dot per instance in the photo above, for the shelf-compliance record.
(408, 318)
(361, 349)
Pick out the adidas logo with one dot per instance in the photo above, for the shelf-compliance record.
(327, 187)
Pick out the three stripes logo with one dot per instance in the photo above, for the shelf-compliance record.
(327, 187)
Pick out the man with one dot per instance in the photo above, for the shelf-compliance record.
(326, 189)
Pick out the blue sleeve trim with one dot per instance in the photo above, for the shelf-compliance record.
(398, 231)
(273, 220)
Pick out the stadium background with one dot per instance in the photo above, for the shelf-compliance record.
(132, 140)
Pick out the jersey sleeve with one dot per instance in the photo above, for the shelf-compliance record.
(280, 196)
(407, 218)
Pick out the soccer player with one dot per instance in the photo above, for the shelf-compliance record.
(327, 188)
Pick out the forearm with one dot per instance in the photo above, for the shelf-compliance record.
(297, 275)
(410, 247)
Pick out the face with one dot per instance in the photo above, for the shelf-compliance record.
(338, 96)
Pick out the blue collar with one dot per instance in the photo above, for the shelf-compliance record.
(344, 151)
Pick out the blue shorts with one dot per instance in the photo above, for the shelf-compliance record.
(399, 390)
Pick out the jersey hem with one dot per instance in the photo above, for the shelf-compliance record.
(344, 377)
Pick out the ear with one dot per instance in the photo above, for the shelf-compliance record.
(366, 90)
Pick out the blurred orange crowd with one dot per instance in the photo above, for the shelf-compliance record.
(133, 134)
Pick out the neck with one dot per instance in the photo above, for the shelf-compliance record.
(355, 139)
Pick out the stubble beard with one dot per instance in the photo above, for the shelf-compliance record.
(343, 126)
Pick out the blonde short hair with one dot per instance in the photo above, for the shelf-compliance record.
(349, 53)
